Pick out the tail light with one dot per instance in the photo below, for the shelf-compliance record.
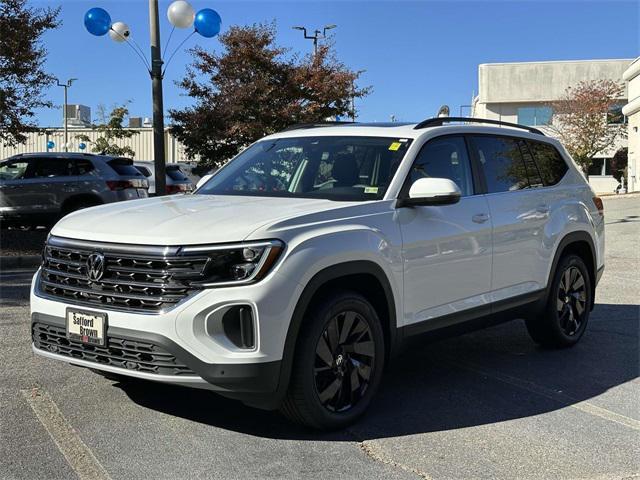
(597, 201)
(177, 188)
(115, 185)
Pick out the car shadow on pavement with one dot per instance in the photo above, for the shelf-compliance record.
(488, 376)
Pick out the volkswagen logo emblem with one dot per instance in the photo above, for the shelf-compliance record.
(95, 266)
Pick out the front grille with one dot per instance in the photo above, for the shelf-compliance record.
(143, 282)
(118, 352)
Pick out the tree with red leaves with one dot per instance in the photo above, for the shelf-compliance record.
(254, 88)
(581, 119)
(22, 75)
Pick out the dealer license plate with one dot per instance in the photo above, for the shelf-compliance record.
(86, 327)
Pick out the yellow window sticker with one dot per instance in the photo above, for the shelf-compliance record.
(370, 189)
(395, 146)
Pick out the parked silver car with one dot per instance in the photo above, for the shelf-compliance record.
(177, 180)
(40, 188)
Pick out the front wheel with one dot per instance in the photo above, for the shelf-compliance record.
(564, 319)
(338, 363)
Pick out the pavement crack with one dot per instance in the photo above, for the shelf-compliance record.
(377, 454)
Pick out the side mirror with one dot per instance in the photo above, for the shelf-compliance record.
(204, 180)
(431, 191)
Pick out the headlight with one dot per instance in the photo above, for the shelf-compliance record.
(229, 265)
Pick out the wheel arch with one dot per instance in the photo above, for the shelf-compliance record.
(581, 244)
(362, 276)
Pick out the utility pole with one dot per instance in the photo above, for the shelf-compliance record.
(158, 109)
(66, 86)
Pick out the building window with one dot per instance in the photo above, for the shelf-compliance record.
(534, 115)
(615, 115)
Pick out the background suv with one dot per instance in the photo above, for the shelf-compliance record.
(40, 188)
(292, 276)
(177, 181)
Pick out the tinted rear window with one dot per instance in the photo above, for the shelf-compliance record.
(124, 166)
(502, 163)
(176, 174)
(144, 170)
(550, 163)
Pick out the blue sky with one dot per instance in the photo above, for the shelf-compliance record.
(417, 55)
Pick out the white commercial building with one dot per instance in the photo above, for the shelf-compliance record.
(141, 143)
(521, 93)
(632, 111)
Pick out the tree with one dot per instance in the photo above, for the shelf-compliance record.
(22, 75)
(580, 119)
(254, 88)
(111, 130)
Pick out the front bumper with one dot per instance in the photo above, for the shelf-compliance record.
(259, 378)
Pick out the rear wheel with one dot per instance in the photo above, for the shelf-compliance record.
(565, 317)
(338, 363)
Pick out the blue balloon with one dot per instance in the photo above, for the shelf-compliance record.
(207, 22)
(50, 144)
(82, 146)
(97, 21)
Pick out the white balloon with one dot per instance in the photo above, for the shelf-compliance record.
(181, 14)
(119, 32)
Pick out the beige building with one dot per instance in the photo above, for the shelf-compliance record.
(521, 93)
(141, 143)
(632, 111)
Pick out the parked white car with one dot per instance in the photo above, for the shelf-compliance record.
(292, 276)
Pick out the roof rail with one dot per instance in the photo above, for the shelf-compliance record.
(439, 121)
(300, 126)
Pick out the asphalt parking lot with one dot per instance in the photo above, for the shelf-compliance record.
(486, 405)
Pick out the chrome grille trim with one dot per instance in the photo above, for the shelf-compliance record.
(152, 282)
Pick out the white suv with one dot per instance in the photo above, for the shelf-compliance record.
(292, 276)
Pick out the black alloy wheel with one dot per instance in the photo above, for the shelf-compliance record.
(338, 362)
(345, 355)
(572, 301)
(563, 319)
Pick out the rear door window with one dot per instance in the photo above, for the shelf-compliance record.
(550, 163)
(502, 163)
(84, 166)
(52, 167)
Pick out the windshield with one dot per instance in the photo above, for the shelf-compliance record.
(334, 168)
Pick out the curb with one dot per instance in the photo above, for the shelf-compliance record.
(22, 261)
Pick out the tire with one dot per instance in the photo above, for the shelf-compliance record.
(338, 363)
(564, 318)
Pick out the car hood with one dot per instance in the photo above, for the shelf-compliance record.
(183, 219)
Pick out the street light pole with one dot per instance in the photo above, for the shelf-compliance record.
(156, 89)
(64, 110)
(317, 35)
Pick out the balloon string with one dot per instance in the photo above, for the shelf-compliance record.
(168, 40)
(139, 53)
(166, 64)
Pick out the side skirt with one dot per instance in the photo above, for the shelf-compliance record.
(472, 319)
